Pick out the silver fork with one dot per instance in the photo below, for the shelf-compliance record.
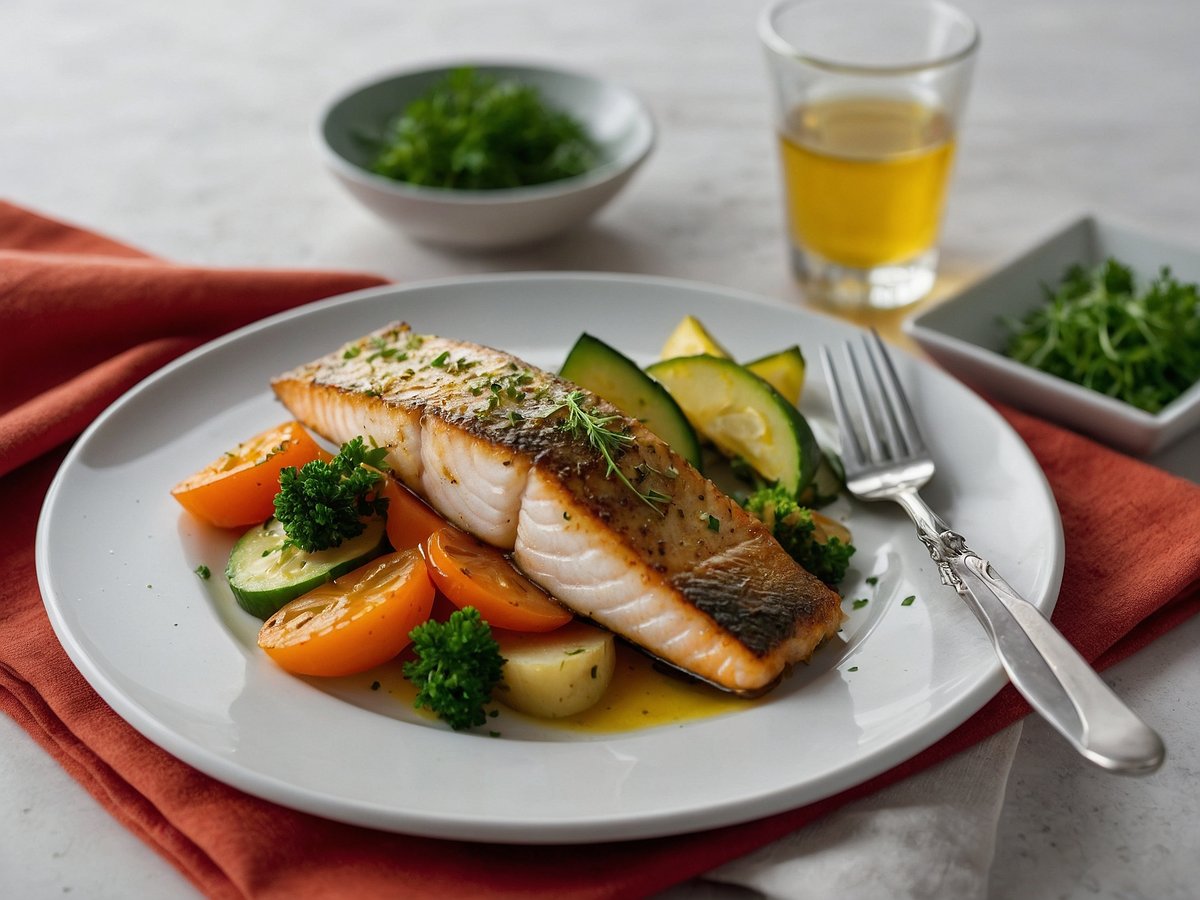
(886, 459)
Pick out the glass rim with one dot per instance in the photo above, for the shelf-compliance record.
(784, 48)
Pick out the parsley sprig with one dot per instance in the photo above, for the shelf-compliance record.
(471, 131)
(1101, 330)
(607, 441)
(457, 665)
(324, 503)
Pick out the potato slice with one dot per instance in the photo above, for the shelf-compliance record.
(556, 673)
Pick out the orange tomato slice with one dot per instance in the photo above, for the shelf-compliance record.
(472, 573)
(239, 488)
(353, 623)
(409, 520)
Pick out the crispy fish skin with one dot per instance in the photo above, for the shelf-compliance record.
(671, 563)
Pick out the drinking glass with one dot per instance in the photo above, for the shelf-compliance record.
(868, 97)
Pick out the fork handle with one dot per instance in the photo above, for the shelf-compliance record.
(1042, 665)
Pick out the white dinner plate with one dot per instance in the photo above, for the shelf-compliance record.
(176, 658)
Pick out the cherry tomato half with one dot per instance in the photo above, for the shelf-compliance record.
(410, 521)
(353, 623)
(239, 488)
(472, 573)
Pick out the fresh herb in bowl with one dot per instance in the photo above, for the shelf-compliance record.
(472, 131)
(1101, 329)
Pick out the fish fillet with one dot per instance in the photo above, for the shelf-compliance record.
(666, 560)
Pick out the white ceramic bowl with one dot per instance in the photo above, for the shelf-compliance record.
(966, 335)
(614, 117)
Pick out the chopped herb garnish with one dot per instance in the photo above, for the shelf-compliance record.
(908, 601)
(714, 524)
(873, 580)
(852, 669)
(392, 353)
(861, 602)
(352, 352)
(203, 571)
(439, 361)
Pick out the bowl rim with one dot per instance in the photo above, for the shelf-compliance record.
(918, 326)
(601, 174)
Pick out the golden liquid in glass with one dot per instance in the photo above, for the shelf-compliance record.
(866, 178)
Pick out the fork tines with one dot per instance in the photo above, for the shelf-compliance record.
(888, 425)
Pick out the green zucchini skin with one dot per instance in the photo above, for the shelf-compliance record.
(605, 371)
(264, 575)
(718, 395)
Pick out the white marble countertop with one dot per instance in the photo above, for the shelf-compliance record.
(186, 130)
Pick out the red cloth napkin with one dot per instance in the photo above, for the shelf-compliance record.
(83, 318)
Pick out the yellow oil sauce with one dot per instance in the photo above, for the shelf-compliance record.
(640, 696)
(866, 178)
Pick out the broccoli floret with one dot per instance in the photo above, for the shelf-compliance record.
(458, 663)
(793, 526)
(324, 503)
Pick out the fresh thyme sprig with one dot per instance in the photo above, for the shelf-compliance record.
(606, 441)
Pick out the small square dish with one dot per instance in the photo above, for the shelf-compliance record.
(966, 334)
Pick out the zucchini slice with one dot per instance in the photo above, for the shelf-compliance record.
(264, 575)
(784, 371)
(691, 338)
(743, 416)
(605, 371)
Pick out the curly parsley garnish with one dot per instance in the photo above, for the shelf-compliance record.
(457, 665)
(324, 503)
